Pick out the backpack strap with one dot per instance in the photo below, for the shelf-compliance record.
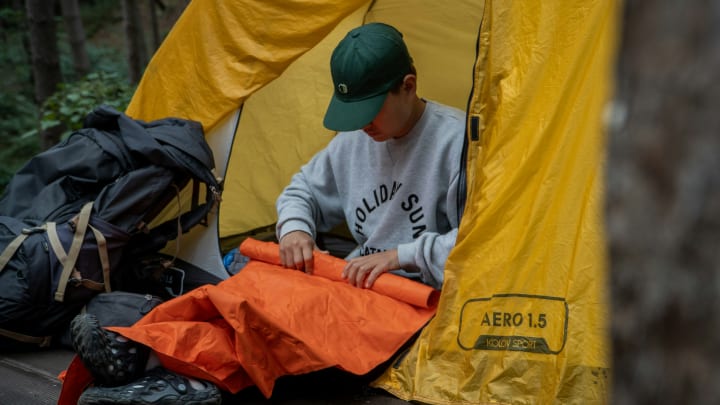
(103, 254)
(69, 259)
(157, 237)
(7, 254)
(13, 246)
(42, 341)
(187, 220)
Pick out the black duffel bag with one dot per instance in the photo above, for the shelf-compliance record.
(74, 213)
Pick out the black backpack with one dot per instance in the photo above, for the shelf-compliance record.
(78, 212)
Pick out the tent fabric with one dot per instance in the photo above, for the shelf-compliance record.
(225, 52)
(524, 313)
(534, 78)
(267, 321)
(215, 57)
(273, 62)
(280, 127)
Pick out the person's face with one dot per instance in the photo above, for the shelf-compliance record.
(395, 116)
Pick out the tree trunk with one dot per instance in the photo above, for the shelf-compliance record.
(664, 206)
(154, 23)
(135, 37)
(45, 60)
(76, 36)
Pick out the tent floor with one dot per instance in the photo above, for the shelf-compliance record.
(30, 378)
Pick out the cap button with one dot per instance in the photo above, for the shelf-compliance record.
(355, 34)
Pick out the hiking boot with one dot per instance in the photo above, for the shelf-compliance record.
(159, 386)
(111, 358)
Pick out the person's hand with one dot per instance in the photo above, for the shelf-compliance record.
(363, 271)
(296, 251)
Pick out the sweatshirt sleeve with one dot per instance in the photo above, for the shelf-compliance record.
(311, 202)
(428, 253)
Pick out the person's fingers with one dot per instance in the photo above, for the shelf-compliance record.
(360, 275)
(308, 261)
(296, 250)
(298, 261)
(357, 270)
(281, 251)
(349, 272)
(286, 257)
(372, 276)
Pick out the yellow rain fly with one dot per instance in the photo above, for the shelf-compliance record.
(523, 313)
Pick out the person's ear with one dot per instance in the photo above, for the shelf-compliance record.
(409, 82)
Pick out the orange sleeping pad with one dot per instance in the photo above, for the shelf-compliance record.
(268, 321)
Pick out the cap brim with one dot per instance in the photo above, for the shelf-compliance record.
(350, 116)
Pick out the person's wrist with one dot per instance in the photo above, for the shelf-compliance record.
(294, 226)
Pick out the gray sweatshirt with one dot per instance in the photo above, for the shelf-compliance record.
(398, 194)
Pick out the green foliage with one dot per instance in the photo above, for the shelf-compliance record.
(15, 155)
(18, 115)
(11, 19)
(73, 101)
(18, 112)
(15, 66)
(21, 118)
(68, 106)
(107, 59)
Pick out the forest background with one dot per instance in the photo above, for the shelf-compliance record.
(662, 173)
(59, 59)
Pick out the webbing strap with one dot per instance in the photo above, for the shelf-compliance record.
(179, 224)
(103, 253)
(10, 250)
(13, 246)
(55, 243)
(69, 263)
(42, 341)
(91, 285)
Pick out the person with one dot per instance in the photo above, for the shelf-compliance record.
(391, 173)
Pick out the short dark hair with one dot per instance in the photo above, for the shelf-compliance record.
(396, 87)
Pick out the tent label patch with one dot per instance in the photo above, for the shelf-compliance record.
(516, 322)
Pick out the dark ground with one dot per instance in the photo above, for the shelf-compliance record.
(30, 378)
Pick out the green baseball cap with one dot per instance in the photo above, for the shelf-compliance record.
(365, 66)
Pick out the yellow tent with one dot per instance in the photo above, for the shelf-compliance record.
(523, 313)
